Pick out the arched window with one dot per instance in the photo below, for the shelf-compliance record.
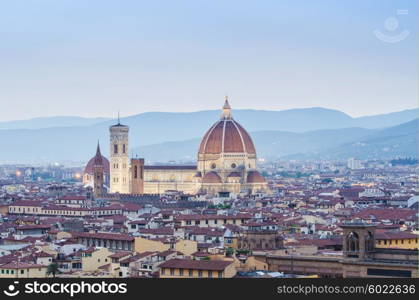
(352, 242)
(369, 242)
(135, 172)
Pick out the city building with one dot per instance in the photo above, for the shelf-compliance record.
(354, 164)
(227, 165)
(361, 258)
(186, 268)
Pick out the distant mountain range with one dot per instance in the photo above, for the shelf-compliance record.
(160, 136)
(294, 120)
(397, 141)
(46, 122)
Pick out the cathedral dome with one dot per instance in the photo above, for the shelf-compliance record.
(255, 177)
(98, 159)
(211, 177)
(226, 136)
(234, 174)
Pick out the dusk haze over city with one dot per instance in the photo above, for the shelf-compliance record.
(241, 140)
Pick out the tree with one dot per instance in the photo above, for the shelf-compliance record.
(243, 252)
(52, 269)
(229, 251)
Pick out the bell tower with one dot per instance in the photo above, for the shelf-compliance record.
(137, 176)
(98, 174)
(358, 240)
(119, 159)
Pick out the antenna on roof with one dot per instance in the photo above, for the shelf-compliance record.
(119, 123)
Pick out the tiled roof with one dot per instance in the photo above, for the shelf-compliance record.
(107, 236)
(157, 231)
(120, 254)
(212, 265)
(391, 235)
(213, 217)
(27, 203)
(255, 177)
(386, 214)
(20, 265)
(170, 167)
(226, 135)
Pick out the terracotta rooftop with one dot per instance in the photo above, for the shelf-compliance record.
(120, 254)
(170, 167)
(255, 177)
(391, 235)
(20, 265)
(108, 236)
(91, 163)
(211, 177)
(386, 214)
(226, 136)
(212, 265)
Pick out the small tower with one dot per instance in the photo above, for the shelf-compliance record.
(98, 174)
(119, 159)
(358, 240)
(226, 112)
(137, 176)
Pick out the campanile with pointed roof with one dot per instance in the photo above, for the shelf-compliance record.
(98, 174)
(119, 159)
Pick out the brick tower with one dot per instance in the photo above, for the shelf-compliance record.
(137, 176)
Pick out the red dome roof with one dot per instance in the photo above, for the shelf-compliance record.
(91, 163)
(255, 177)
(211, 177)
(234, 174)
(227, 136)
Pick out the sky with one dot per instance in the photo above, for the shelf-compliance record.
(93, 58)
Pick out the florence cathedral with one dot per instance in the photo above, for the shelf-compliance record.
(226, 165)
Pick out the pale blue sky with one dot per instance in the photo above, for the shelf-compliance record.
(93, 57)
